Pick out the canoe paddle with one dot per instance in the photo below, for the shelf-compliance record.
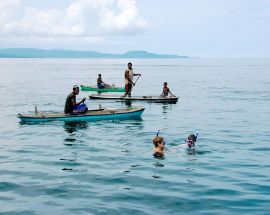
(134, 84)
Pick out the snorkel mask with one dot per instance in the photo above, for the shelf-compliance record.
(191, 142)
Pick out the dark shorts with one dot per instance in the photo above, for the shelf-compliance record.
(101, 85)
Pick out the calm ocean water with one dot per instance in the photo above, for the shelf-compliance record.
(107, 167)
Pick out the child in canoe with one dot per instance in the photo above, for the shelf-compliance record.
(100, 83)
(159, 145)
(166, 91)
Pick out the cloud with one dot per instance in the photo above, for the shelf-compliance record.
(80, 19)
(7, 10)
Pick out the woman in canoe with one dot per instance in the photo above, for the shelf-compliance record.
(100, 83)
(166, 91)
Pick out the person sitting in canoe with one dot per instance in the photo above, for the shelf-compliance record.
(166, 91)
(71, 106)
(129, 80)
(100, 83)
(159, 145)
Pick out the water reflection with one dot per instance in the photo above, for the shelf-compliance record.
(166, 107)
(69, 162)
(128, 103)
(191, 151)
(157, 165)
(71, 127)
(197, 152)
(133, 125)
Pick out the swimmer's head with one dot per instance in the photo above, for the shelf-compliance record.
(158, 141)
(192, 137)
(191, 140)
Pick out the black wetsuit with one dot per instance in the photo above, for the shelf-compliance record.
(158, 155)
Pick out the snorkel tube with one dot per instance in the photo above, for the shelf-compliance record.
(197, 134)
(164, 142)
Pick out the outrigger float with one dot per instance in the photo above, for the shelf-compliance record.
(157, 99)
(106, 89)
(90, 115)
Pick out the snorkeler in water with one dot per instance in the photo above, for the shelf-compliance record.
(191, 140)
(159, 146)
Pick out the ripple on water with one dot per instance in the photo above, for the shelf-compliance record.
(8, 186)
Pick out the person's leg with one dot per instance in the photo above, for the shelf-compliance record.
(101, 85)
(129, 89)
(126, 90)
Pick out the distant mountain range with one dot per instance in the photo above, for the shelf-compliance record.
(58, 53)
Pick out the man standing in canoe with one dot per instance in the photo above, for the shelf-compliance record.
(129, 79)
(71, 100)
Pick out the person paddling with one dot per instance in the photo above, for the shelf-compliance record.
(71, 106)
(129, 80)
(166, 91)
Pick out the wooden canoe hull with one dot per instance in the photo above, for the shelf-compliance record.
(157, 99)
(107, 89)
(92, 115)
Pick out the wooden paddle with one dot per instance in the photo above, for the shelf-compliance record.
(134, 85)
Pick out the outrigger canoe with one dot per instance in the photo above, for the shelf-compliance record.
(90, 115)
(158, 99)
(107, 89)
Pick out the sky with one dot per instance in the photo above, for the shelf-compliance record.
(196, 28)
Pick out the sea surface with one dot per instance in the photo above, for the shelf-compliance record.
(107, 167)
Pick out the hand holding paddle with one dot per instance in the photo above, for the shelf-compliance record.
(139, 75)
(83, 100)
(134, 84)
(136, 79)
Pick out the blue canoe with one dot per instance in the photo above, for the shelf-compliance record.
(91, 115)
